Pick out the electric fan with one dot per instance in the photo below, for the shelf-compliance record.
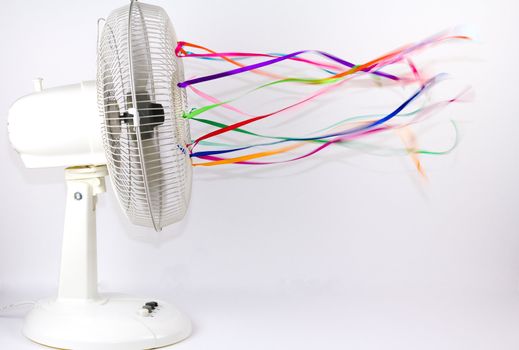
(142, 137)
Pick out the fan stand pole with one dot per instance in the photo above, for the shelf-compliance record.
(80, 318)
(78, 277)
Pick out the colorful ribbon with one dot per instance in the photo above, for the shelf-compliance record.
(339, 72)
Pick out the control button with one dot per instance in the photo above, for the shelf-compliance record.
(143, 312)
(148, 307)
(153, 304)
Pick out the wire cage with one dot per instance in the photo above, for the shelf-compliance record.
(144, 133)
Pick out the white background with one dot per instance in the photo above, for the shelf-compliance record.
(332, 253)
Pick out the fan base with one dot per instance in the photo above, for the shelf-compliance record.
(113, 322)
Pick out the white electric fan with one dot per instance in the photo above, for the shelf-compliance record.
(142, 137)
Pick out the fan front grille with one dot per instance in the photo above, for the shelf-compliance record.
(144, 134)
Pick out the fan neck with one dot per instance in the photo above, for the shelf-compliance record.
(78, 277)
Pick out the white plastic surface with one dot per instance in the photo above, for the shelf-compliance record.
(78, 277)
(111, 323)
(81, 319)
(57, 127)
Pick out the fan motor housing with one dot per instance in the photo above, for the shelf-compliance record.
(57, 127)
